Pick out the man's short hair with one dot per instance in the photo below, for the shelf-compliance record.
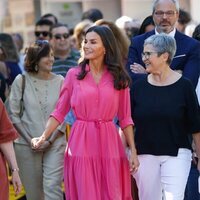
(92, 14)
(50, 15)
(184, 17)
(42, 22)
(57, 26)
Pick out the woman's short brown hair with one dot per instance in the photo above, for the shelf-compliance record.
(36, 51)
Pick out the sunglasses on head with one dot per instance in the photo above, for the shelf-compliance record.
(59, 36)
(44, 33)
(41, 42)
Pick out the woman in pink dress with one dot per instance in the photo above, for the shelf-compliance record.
(96, 166)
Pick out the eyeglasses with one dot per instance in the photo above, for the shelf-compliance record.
(60, 36)
(43, 33)
(147, 54)
(169, 13)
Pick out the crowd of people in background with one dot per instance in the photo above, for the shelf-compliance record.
(64, 97)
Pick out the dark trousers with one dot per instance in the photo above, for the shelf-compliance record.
(134, 189)
(191, 191)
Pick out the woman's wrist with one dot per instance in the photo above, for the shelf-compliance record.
(15, 169)
(43, 137)
(133, 150)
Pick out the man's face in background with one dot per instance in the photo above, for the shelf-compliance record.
(42, 32)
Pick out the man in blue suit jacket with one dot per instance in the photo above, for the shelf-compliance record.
(187, 57)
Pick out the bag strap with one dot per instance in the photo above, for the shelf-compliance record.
(23, 86)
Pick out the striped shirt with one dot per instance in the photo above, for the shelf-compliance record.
(62, 66)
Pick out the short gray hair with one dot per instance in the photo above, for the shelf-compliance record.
(162, 43)
(176, 2)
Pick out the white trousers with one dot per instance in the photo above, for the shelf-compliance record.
(163, 177)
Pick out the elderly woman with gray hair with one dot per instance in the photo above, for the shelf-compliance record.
(165, 111)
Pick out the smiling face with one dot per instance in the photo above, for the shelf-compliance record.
(152, 60)
(45, 63)
(93, 46)
(165, 16)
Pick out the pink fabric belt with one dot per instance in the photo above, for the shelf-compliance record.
(97, 122)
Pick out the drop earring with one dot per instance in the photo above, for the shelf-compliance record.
(36, 68)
